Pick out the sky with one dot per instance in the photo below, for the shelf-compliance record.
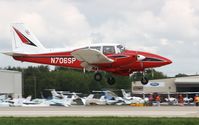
(169, 28)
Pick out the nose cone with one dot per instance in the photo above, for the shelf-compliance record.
(153, 60)
(164, 61)
(167, 61)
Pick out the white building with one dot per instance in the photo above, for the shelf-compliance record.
(172, 85)
(11, 83)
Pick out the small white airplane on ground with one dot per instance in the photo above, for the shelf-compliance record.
(95, 99)
(18, 102)
(103, 98)
(3, 103)
(131, 99)
(171, 100)
(60, 99)
(77, 100)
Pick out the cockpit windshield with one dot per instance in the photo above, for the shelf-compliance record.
(120, 48)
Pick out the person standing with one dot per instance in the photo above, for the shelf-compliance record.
(181, 100)
(196, 100)
(151, 100)
(157, 99)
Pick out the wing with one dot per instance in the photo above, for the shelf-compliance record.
(89, 57)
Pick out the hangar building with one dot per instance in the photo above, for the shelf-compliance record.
(11, 83)
(172, 85)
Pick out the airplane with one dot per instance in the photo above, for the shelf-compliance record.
(131, 99)
(95, 99)
(112, 58)
(18, 102)
(171, 100)
(73, 96)
(103, 98)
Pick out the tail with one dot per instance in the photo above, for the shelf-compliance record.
(23, 39)
(27, 99)
(55, 95)
(125, 94)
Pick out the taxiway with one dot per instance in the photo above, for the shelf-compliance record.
(95, 111)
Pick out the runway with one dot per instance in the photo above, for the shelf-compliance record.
(95, 111)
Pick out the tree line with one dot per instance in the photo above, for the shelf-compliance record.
(37, 79)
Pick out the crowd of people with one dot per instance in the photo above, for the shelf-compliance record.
(180, 99)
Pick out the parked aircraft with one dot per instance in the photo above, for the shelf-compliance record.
(131, 99)
(60, 99)
(95, 99)
(112, 58)
(103, 98)
(76, 99)
(18, 101)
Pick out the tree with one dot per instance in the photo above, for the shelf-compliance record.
(37, 79)
(181, 75)
(150, 74)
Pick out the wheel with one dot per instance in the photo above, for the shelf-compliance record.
(144, 80)
(111, 80)
(98, 76)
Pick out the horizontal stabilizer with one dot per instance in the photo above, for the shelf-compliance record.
(10, 53)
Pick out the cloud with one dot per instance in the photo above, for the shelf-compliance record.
(167, 27)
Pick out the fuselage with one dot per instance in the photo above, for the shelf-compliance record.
(124, 61)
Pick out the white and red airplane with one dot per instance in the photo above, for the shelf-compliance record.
(113, 58)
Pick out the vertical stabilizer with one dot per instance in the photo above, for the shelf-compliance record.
(23, 38)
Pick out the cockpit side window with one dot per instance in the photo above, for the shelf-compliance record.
(109, 50)
(96, 47)
(120, 48)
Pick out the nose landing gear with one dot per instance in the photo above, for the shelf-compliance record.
(111, 80)
(144, 80)
(140, 76)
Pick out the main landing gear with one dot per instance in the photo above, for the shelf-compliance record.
(110, 80)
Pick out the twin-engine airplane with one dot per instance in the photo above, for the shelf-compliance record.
(113, 58)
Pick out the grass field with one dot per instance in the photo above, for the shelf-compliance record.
(97, 121)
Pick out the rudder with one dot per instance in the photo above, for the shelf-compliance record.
(23, 38)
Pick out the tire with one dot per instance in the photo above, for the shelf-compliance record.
(98, 76)
(111, 80)
(144, 80)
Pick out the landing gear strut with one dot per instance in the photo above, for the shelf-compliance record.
(111, 80)
(144, 80)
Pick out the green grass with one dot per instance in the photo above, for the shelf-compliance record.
(97, 121)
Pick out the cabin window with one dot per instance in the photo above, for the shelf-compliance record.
(120, 48)
(108, 49)
(96, 47)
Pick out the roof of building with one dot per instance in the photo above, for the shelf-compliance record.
(189, 79)
(10, 71)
